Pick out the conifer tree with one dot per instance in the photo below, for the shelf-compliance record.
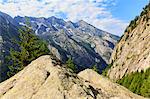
(70, 64)
(30, 47)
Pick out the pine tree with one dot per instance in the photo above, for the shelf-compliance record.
(70, 64)
(30, 47)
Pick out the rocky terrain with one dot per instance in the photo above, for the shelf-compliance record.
(132, 53)
(47, 78)
(86, 44)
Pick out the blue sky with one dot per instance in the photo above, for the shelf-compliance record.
(128, 9)
(109, 15)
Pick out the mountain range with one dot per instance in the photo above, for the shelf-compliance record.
(84, 43)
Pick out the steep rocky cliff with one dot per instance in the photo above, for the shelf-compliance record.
(132, 53)
(46, 78)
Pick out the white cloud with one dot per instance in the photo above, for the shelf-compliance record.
(94, 12)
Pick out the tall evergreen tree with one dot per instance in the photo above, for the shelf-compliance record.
(30, 47)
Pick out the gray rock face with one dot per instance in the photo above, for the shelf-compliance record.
(44, 78)
(132, 53)
(86, 44)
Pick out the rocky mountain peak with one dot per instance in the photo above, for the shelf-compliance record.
(55, 20)
(82, 22)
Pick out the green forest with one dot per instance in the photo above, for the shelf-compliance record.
(138, 82)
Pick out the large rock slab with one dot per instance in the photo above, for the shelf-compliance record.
(46, 78)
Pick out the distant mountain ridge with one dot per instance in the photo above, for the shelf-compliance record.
(58, 23)
(86, 44)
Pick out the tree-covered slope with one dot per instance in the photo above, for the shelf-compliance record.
(138, 82)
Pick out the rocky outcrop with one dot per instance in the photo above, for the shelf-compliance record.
(132, 53)
(45, 78)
